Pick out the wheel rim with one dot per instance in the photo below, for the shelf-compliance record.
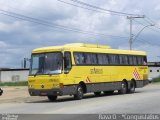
(80, 92)
(124, 87)
(132, 86)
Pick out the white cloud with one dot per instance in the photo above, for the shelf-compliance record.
(18, 38)
(10, 27)
(3, 44)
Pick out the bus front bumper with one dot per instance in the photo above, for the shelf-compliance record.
(34, 92)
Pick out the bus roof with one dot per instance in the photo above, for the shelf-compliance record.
(80, 47)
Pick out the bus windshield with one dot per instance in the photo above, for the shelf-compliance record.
(46, 63)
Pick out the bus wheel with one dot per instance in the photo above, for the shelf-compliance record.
(97, 93)
(123, 89)
(79, 93)
(132, 87)
(52, 98)
(108, 92)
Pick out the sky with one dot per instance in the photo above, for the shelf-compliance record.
(19, 37)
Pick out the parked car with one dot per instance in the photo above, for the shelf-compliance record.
(1, 91)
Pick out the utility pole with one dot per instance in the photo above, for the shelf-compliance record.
(131, 35)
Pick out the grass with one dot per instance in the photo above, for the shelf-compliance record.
(20, 83)
(155, 80)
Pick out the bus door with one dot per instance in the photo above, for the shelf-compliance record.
(68, 78)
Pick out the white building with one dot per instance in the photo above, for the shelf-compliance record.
(13, 75)
(154, 69)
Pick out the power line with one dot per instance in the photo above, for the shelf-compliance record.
(81, 6)
(145, 25)
(139, 22)
(45, 23)
(150, 20)
(94, 10)
(153, 22)
(149, 43)
(102, 9)
(147, 21)
(111, 12)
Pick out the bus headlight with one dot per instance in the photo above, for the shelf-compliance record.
(31, 86)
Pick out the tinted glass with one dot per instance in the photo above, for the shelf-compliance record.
(48, 63)
(79, 58)
(113, 59)
(67, 61)
(103, 59)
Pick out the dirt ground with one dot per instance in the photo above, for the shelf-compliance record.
(21, 95)
(17, 95)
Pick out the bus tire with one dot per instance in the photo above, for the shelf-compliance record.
(79, 93)
(123, 89)
(108, 92)
(97, 93)
(132, 87)
(52, 98)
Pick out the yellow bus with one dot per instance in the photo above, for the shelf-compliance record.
(76, 69)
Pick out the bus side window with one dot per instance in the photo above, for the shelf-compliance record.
(126, 60)
(67, 62)
(91, 58)
(79, 58)
(140, 60)
(100, 59)
(134, 60)
(123, 59)
(103, 59)
(114, 59)
(117, 59)
(130, 60)
(144, 60)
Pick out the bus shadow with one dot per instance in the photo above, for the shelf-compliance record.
(71, 98)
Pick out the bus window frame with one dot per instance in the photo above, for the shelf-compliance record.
(70, 62)
(128, 55)
(83, 54)
(46, 53)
